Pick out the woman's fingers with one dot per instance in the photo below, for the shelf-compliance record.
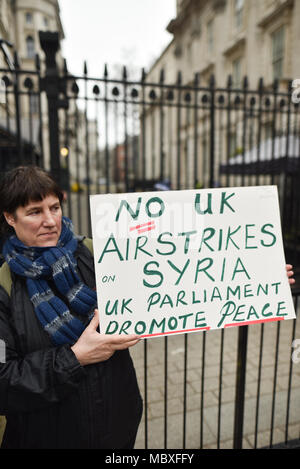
(121, 342)
(94, 323)
(290, 273)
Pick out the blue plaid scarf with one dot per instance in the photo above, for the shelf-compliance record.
(39, 264)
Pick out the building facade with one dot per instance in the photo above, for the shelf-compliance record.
(20, 24)
(256, 39)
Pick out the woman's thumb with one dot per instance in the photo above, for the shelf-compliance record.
(95, 320)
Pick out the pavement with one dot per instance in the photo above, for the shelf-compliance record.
(194, 432)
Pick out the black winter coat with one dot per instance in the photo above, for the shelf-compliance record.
(48, 398)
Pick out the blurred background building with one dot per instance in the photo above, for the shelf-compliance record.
(23, 108)
(256, 38)
(240, 45)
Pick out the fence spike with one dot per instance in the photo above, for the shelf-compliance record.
(229, 81)
(85, 71)
(245, 83)
(65, 67)
(179, 78)
(275, 84)
(124, 72)
(143, 76)
(290, 86)
(162, 76)
(16, 60)
(105, 71)
(37, 62)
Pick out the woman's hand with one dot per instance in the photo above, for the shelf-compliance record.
(290, 273)
(92, 347)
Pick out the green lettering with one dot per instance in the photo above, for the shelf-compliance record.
(124, 327)
(114, 325)
(247, 291)
(252, 312)
(154, 323)
(159, 240)
(238, 312)
(125, 204)
(174, 325)
(211, 232)
(234, 292)
(227, 309)
(204, 269)
(280, 308)
(200, 321)
(242, 270)
(180, 296)
(152, 273)
(181, 272)
(248, 237)
(124, 305)
(264, 309)
(137, 327)
(224, 202)
(264, 290)
(114, 308)
(140, 248)
(216, 294)
(263, 230)
(115, 249)
(229, 234)
(184, 317)
(187, 234)
(197, 204)
(166, 301)
(161, 210)
(153, 300)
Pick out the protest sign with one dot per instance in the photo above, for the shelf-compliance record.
(184, 261)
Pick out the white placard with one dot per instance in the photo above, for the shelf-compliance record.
(185, 261)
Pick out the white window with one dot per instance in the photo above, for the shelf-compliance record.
(28, 17)
(210, 36)
(30, 48)
(34, 103)
(237, 73)
(238, 13)
(278, 53)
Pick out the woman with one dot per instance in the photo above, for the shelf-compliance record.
(63, 385)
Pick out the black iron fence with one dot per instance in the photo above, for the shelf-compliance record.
(100, 135)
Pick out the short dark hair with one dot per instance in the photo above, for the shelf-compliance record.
(22, 185)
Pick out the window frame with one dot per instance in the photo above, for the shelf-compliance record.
(278, 52)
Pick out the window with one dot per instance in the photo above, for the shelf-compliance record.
(238, 13)
(210, 36)
(30, 49)
(34, 103)
(233, 148)
(28, 17)
(237, 73)
(278, 53)
(46, 22)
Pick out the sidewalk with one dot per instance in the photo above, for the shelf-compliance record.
(175, 388)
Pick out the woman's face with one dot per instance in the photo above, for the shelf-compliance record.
(38, 223)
